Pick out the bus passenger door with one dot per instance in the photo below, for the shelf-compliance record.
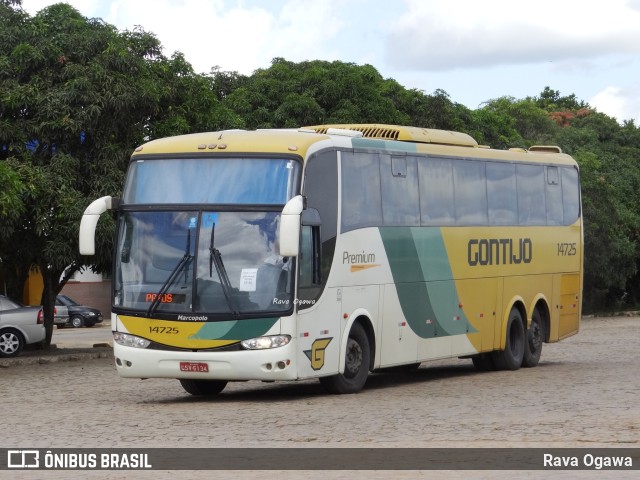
(319, 335)
(319, 321)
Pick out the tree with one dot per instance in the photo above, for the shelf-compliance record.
(289, 94)
(551, 100)
(506, 122)
(610, 181)
(76, 97)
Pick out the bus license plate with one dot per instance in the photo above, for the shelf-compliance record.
(194, 367)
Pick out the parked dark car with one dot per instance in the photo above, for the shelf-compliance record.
(71, 313)
(19, 326)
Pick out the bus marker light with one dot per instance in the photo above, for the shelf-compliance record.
(222, 146)
(202, 146)
(345, 316)
(212, 146)
(293, 148)
(324, 332)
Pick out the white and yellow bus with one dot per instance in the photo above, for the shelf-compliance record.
(333, 251)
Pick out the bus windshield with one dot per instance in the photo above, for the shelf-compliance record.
(205, 262)
(245, 181)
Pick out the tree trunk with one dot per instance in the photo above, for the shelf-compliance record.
(48, 302)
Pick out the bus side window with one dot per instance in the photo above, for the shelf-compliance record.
(570, 195)
(553, 194)
(310, 273)
(306, 256)
(530, 183)
(310, 245)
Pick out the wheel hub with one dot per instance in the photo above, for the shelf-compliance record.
(534, 338)
(8, 343)
(354, 358)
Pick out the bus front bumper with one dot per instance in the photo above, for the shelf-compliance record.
(268, 364)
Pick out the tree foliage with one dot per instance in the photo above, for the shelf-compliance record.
(289, 94)
(509, 123)
(610, 179)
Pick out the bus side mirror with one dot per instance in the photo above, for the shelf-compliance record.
(311, 218)
(89, 221)
(290, 227)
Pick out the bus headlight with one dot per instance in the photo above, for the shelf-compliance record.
(130, 340)
(271, 341)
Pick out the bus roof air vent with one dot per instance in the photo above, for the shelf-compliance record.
(545, 149)
(344, 132)
(402, 133)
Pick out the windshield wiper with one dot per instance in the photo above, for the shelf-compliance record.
(215, 258)
(183, 263)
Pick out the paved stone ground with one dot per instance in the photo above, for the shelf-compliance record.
(584, 393)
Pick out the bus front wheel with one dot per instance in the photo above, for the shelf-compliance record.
(511, 357)
(203, 387)
(356, 368)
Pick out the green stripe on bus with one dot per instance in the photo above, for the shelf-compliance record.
(424, 281)
(235, 329)
(389, 145)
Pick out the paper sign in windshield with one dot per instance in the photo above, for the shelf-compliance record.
(248, 278)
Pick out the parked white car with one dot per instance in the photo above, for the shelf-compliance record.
(19, 326)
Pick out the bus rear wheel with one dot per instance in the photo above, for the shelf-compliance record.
(511, 357)
(203, 387)
(356, 369)
(533, 342)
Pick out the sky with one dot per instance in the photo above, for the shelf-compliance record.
(474, 50)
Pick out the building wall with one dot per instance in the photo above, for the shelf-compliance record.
(86, 288)
(32, 293)
(91, 294)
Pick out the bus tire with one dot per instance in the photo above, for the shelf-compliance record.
(533, 342)
(511, 357)
(356, 369)
(203, 387)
